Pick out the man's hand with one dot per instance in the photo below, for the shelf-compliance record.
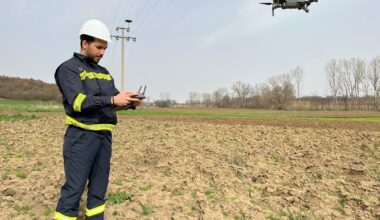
(125, 98)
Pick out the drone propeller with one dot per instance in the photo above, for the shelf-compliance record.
(266, 3)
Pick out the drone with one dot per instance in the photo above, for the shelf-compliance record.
(290, 4)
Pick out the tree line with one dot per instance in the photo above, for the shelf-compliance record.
(354, 83)
(279, 92)
(28, 89)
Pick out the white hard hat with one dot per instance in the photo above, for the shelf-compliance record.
(97, 29)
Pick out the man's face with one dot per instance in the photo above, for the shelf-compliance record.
(94, 50)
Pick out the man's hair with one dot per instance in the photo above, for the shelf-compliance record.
(87, 38)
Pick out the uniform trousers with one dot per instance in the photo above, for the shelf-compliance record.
(87, 157)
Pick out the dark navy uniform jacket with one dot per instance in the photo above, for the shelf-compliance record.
(87, 89)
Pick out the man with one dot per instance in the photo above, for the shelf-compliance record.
(89, 99)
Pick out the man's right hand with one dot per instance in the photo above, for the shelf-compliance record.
(124, 98)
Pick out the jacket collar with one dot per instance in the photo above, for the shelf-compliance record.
(84, 58)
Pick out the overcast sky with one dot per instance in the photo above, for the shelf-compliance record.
(191, 45)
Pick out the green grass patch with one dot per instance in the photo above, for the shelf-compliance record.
(146, 209)
(178, 192)
(214, 194)
(2, 141)
(194, 194)
(275, 158)
(119, 197)
(48, 211)
(5, 176)
(28, 102)
(146, 187)
(195, 208)
(341, 203)
(44, 110)
(239, 160)
(225, 213)
(240, 216)
(30, 106)
(17, 117)
(22, 175)
(294, 216)
(21, 209)
(118, 182)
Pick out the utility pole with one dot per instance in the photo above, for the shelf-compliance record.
(123, 37)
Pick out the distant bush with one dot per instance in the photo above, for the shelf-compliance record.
(164, 103)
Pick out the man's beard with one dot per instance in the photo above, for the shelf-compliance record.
(95, 59)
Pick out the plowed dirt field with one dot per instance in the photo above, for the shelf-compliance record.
(203, 168)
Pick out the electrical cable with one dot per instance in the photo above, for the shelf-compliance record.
(146, 15)
(117, 12)
(142, 10)
(155, 19)
(127, 15)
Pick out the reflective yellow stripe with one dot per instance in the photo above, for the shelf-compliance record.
(77, 106)
(60, 216)
(92, 127)
(96, 210)
(92, 75)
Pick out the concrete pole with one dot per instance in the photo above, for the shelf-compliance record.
(123, 89)
(122, 38)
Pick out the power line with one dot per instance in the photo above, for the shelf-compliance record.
(144, 18)
(123, 37)
(129, 10)
(112, 52)
(156, 18)
(117, 12)
(125, 8)
(142, 10)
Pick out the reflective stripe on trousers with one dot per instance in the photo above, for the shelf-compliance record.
(95, 211)
(60, 216)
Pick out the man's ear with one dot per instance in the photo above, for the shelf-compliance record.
(84, 44)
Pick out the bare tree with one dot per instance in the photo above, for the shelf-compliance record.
(194, 98)
(282, 91)
(221, 98)
(347, 80)
(359, 72)
(374, 77)
(242, 91)
(206, 99)
(298, 74)
(333, 70)
(164, 96)
(262, 94)
(164, 101)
